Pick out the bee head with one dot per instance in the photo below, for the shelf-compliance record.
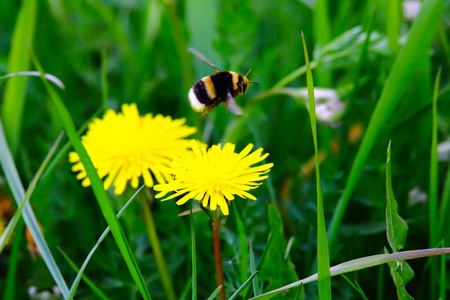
(243, 82)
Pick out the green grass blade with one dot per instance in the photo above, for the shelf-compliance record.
(445, 205)
(433, 201)
(194, 255)
(323, 259)
(243, 246)
(396, 228)
(243, 287)
(380, 283)
(300, 295)
(445, 42)
(363, 56)
(97, 186)
(400, 77)
(186, 289)
(356, 287)
(15, 184)
(19, 60)
(18, 213)
(89, 282)
(255, 283)
(76, 282)
(104, 80)
(393, 24)
(443, 276)
(322, 35)
(10, 285)
(266, 249)
(215, 293)
(360, 264)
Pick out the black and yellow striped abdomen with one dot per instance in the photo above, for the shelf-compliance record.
(212, 90)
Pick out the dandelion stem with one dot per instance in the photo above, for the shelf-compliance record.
(217, 256)
(157, 251)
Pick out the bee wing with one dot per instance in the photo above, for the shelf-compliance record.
(232, 105)
(203, 58)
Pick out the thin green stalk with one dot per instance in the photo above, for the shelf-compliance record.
(445, 42)
(10, 285)
(323, 260)
(380, 283)
(393, 25)
(443, 276)
(243, 247)
(433, 201)
(445, 205)
(322, 35)
(157, 251)
(104, 79)
(194, 255)
(363, 56)
(218, 256)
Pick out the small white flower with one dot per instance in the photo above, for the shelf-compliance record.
(410, 9)
(444, 151)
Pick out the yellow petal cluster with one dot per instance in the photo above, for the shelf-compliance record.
(125, 146)
(215, 175)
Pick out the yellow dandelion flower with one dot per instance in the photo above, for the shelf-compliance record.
(215, 175)
(125, 146)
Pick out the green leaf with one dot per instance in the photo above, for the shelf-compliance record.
(401, 75)
(19, 60)
(275, 269)
(401, 273)
(396, 227)
(194, 255)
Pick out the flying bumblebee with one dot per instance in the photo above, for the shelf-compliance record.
(212, 90)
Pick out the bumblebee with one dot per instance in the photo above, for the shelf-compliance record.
(212, 90)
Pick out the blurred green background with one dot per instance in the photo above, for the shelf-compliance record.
(142, 46)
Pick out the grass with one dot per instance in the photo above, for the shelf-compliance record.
(382, 66)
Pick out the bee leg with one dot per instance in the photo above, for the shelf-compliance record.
(226, 106)
(207, 111)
